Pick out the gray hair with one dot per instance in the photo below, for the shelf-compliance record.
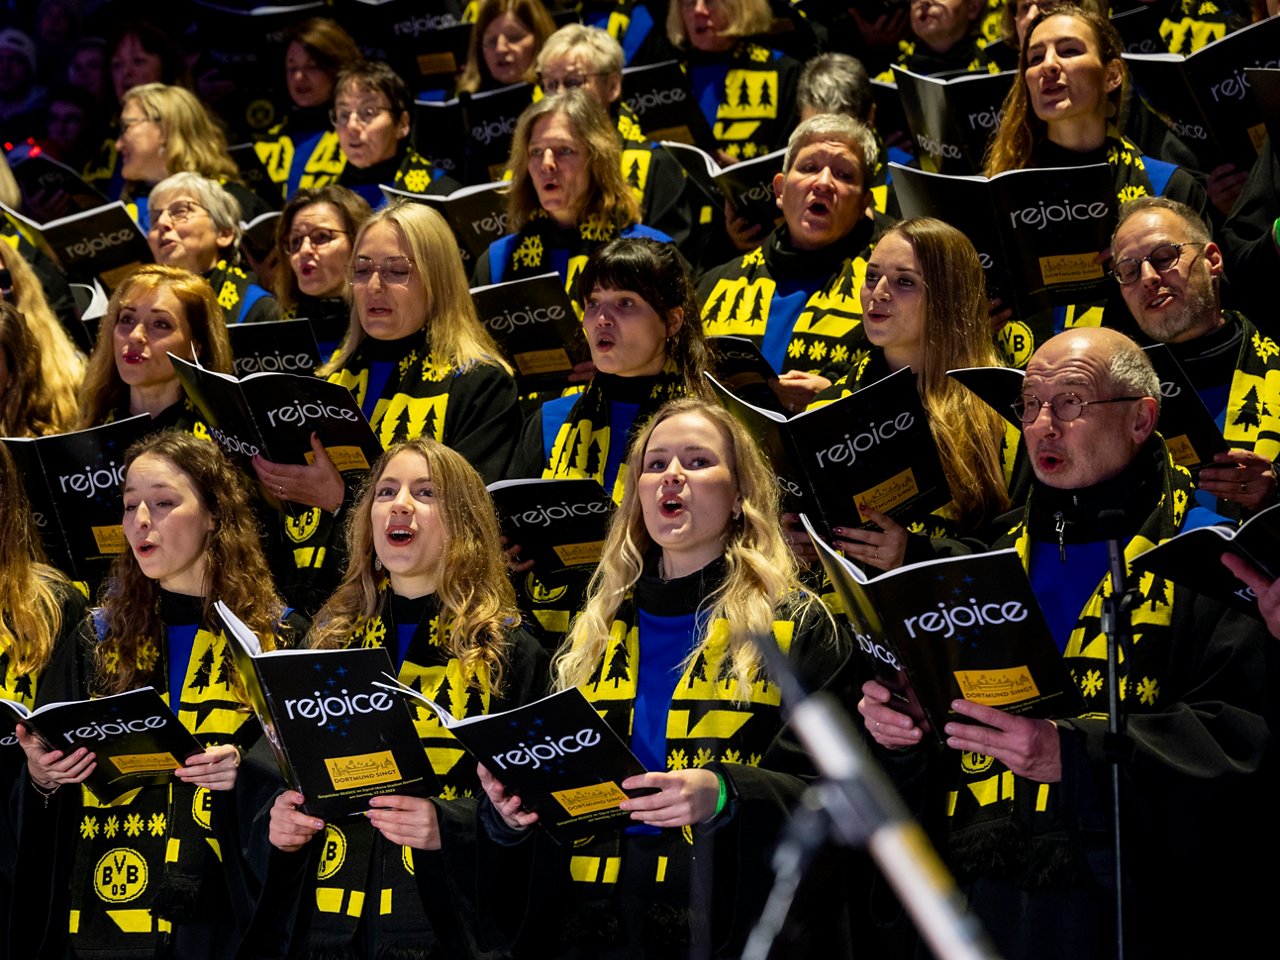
(1131, 373)
(835, 83)
(840, 128)
(1197, 229)
(223, 208)
(600, 50)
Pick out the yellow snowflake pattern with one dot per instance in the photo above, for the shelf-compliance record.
(702, 757)
(749, 150)
(111, 661)
(754, 760)
(416, 181)
(408, 362)
(731, 756)
(435, 370)
(112, 826)
(147, 655)
(759, 54)
(595, 228)
(529, 252)
(433, 632)
(733, 149)
(1148, 690)
(449, 793)
(754, 258)
(227, 296)
(817, 351)
(679, 760)
(1091, 683)
(133, 824)
(89, 827)
(1265, 347)
(839, 353)
(795, 349)
(375, 631)
(156, 824)
(1131, 192)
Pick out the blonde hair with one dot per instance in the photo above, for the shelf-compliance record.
(760, 570)
(746, 18)
(192, 140)
(531, 13)
(104, 391)
(453, 327)
(477, 601)
(610, 198)
(598, 50)
(10, 193)
(62, 365)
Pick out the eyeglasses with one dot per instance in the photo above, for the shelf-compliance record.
(319, 239)
(1065, 406)
(364, 116)
(127, 122)
(575, 81)
(1162, 258)
(180, 211)
(395, 271)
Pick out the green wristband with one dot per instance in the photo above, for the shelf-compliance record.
(1275, 232)
(723, 798)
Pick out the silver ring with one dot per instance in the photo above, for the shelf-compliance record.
(877, 724)
(876, 555)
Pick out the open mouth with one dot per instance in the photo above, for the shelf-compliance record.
(133, 357)
(818, 208)
(604, 342)
(1049, 460)
(1159, 300)
(400, 535)
(672, 507)
(145, 549)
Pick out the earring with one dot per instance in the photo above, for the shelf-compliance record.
(377, 563)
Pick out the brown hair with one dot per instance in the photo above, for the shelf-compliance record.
(331, 47)
(236, 571)
(611, 200)
(103, 390)
(353, 211)
(477, 600)
(531, 13)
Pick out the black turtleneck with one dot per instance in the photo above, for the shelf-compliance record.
(1210, 361)
(1134, 491)
(679, 596)
(787, 263)
(179, 609)
(1049, 154)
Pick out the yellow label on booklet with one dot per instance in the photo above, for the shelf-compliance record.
(997, 688)
(899, 488)
(599, 796)
(145, 762)
(1183, 453)
(344, 458)
(110, 539)
(572, 554)
(362, 770)
(542, 361)
(433, 63)
(1070, 268)
(1257, 134)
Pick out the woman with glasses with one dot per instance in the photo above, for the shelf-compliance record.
(371, 114)
(314, 237)
(504, 44)
(165, 130)
(420, 365)
(302, 150)
(924, 306)
(195, 225)
(567, 193)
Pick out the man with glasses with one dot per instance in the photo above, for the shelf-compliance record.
(1026, 802)
(1169, 272)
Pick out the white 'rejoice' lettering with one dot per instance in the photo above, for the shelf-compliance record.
(655, 98)
(948, 619)
(545, 516)
(494, 223)
(931, 145)
(1169, 389)
(985, 119)
(233, 444)
(93, 481)
(1237, 85)
(525, 755)
(273, 362)
(302, 412)
(486, 133)
(1042, 215)
(87, 248)
(877, 650)
(112, 728)
(423, 24)
(848, 449)
(321, 708)
(508, 320)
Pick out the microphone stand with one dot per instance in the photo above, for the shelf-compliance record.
(1118, 627)
(856, 799)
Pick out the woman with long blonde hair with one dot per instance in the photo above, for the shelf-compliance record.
(427, 581)
(695, 572)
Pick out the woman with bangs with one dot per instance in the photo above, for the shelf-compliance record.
(567, 194)
(420, 364)
(694, 568)
(640, 320)
(192, 540)
(165, 130)
(158, 310)
(505, 42)
(427, 581)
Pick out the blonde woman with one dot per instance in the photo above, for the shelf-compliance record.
(695, 570)
(427, 581)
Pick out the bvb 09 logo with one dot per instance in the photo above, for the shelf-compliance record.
(334, 854)
(120, 876)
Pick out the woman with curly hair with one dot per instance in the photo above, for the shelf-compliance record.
(157, 311)
(29, 405)
(694, 570)
(567, 194)
(427, 581)
(191, 540)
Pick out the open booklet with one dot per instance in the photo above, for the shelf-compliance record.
(477, 215)
(101, 243)
(134, 736)
(469, 137)
(535, 324)
(872, 448)
(338, 738)
(960, 627)
(952, 119)
(557, 754)
(747, 185)
(1194, 558)
(659, 95)
(560, 524)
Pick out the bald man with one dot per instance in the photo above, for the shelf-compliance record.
(1026, 802)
